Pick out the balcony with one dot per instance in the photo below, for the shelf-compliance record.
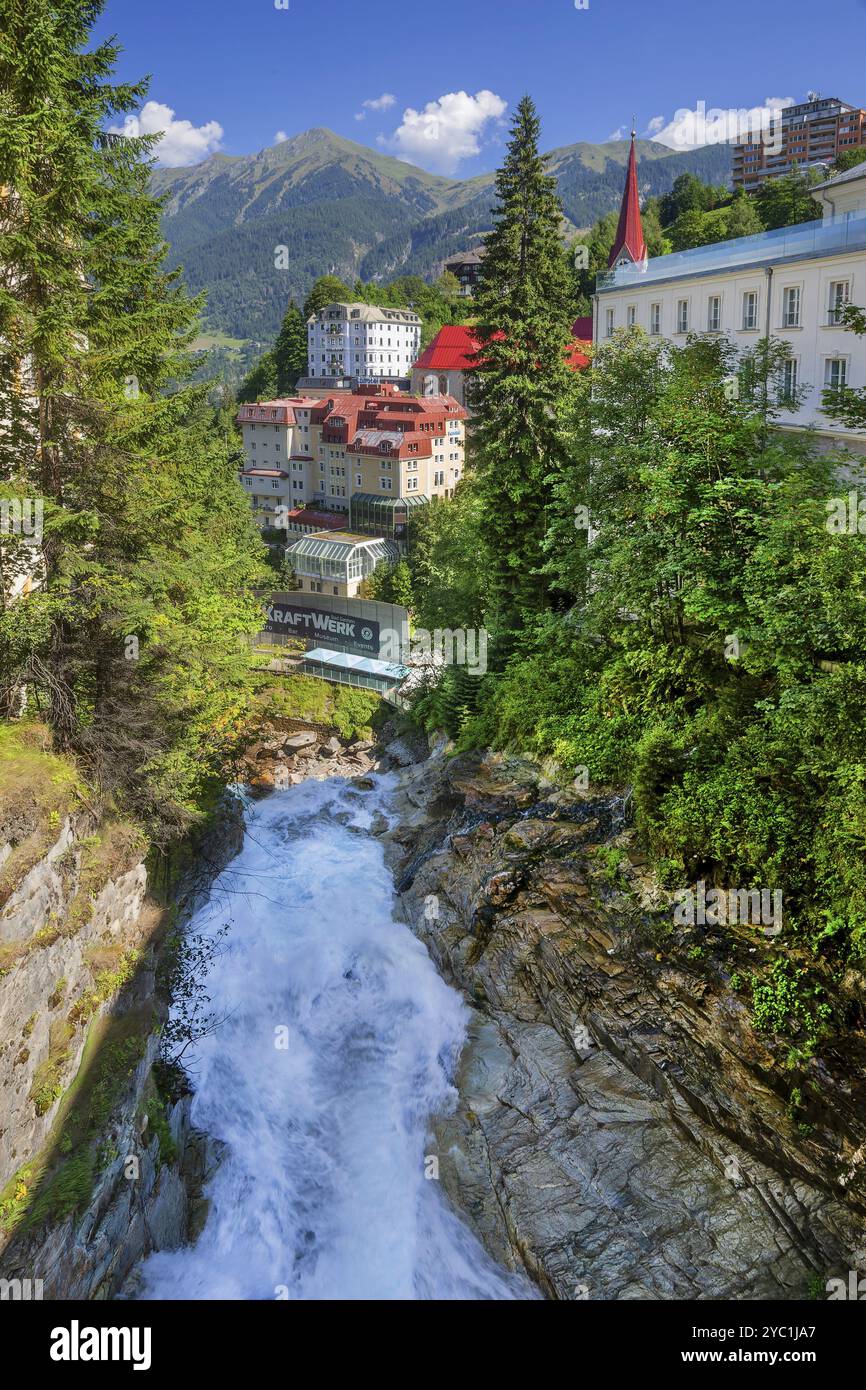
(809, 239)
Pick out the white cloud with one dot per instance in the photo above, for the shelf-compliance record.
(280, 137)
(447, 131)
(181, 142)
(716, 125)
(382, 103)
(621, 134)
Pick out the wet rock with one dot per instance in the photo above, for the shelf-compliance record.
(631, 1134)
(331, 749)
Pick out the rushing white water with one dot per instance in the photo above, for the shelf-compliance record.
(322, 1191)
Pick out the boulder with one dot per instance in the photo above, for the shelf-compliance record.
(307, 738)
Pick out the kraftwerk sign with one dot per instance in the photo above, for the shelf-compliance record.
(324, 626)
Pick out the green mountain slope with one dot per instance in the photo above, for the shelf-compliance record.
(345, 209)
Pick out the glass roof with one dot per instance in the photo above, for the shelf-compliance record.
(416, 500)
(329, 548)
(347, 661)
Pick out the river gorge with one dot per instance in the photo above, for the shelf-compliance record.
(459, 1051)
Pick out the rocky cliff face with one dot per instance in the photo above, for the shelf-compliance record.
(94, 1172)
(622, 1132)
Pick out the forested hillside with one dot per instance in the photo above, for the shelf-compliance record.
(344, 209)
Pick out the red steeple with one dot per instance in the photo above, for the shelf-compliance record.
(629, 243)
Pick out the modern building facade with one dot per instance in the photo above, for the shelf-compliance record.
(789, 284)
(812, 133)
(363, 342)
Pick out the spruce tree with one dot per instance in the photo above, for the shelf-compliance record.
(132, 644)
(290, 350)
(524, 385)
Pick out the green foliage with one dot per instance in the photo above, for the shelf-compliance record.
(392, 584)
(157, 1124)
(788, 1001)
(706, 648)
(523, 387)
(134, 643)
(848, 159)
(786, 201)
(351, 711)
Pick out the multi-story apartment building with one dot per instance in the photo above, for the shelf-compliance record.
(383, 452)
(811, 133)
(362, 341)
(372, 454)
(278, 455)
(789, 284)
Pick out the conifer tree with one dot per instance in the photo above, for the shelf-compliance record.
(524, 384)
(290, 350)
(132, 642)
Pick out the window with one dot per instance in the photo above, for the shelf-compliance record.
(655, 322)
(788, 385)
(682, 316)
(791, 307)
(631, 315)
(609, 322)
(836, 373)
(714, 313)
(750, 310)
(839, 291)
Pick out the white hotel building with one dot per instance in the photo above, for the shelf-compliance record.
(788, 284)
(362, 342)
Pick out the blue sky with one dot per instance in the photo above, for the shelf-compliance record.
(232, 74)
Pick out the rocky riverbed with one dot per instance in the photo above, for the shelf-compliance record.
(622, 1132)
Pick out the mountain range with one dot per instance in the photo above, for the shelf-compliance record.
(344, 209)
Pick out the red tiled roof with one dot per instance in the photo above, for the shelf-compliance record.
(451, 350)
(278, 412)
(454, 347)
(326, 521)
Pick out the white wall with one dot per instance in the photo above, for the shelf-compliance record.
(812, 343)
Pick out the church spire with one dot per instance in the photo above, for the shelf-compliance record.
(629, 244)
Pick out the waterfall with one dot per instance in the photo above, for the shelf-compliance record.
(338, 1043)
